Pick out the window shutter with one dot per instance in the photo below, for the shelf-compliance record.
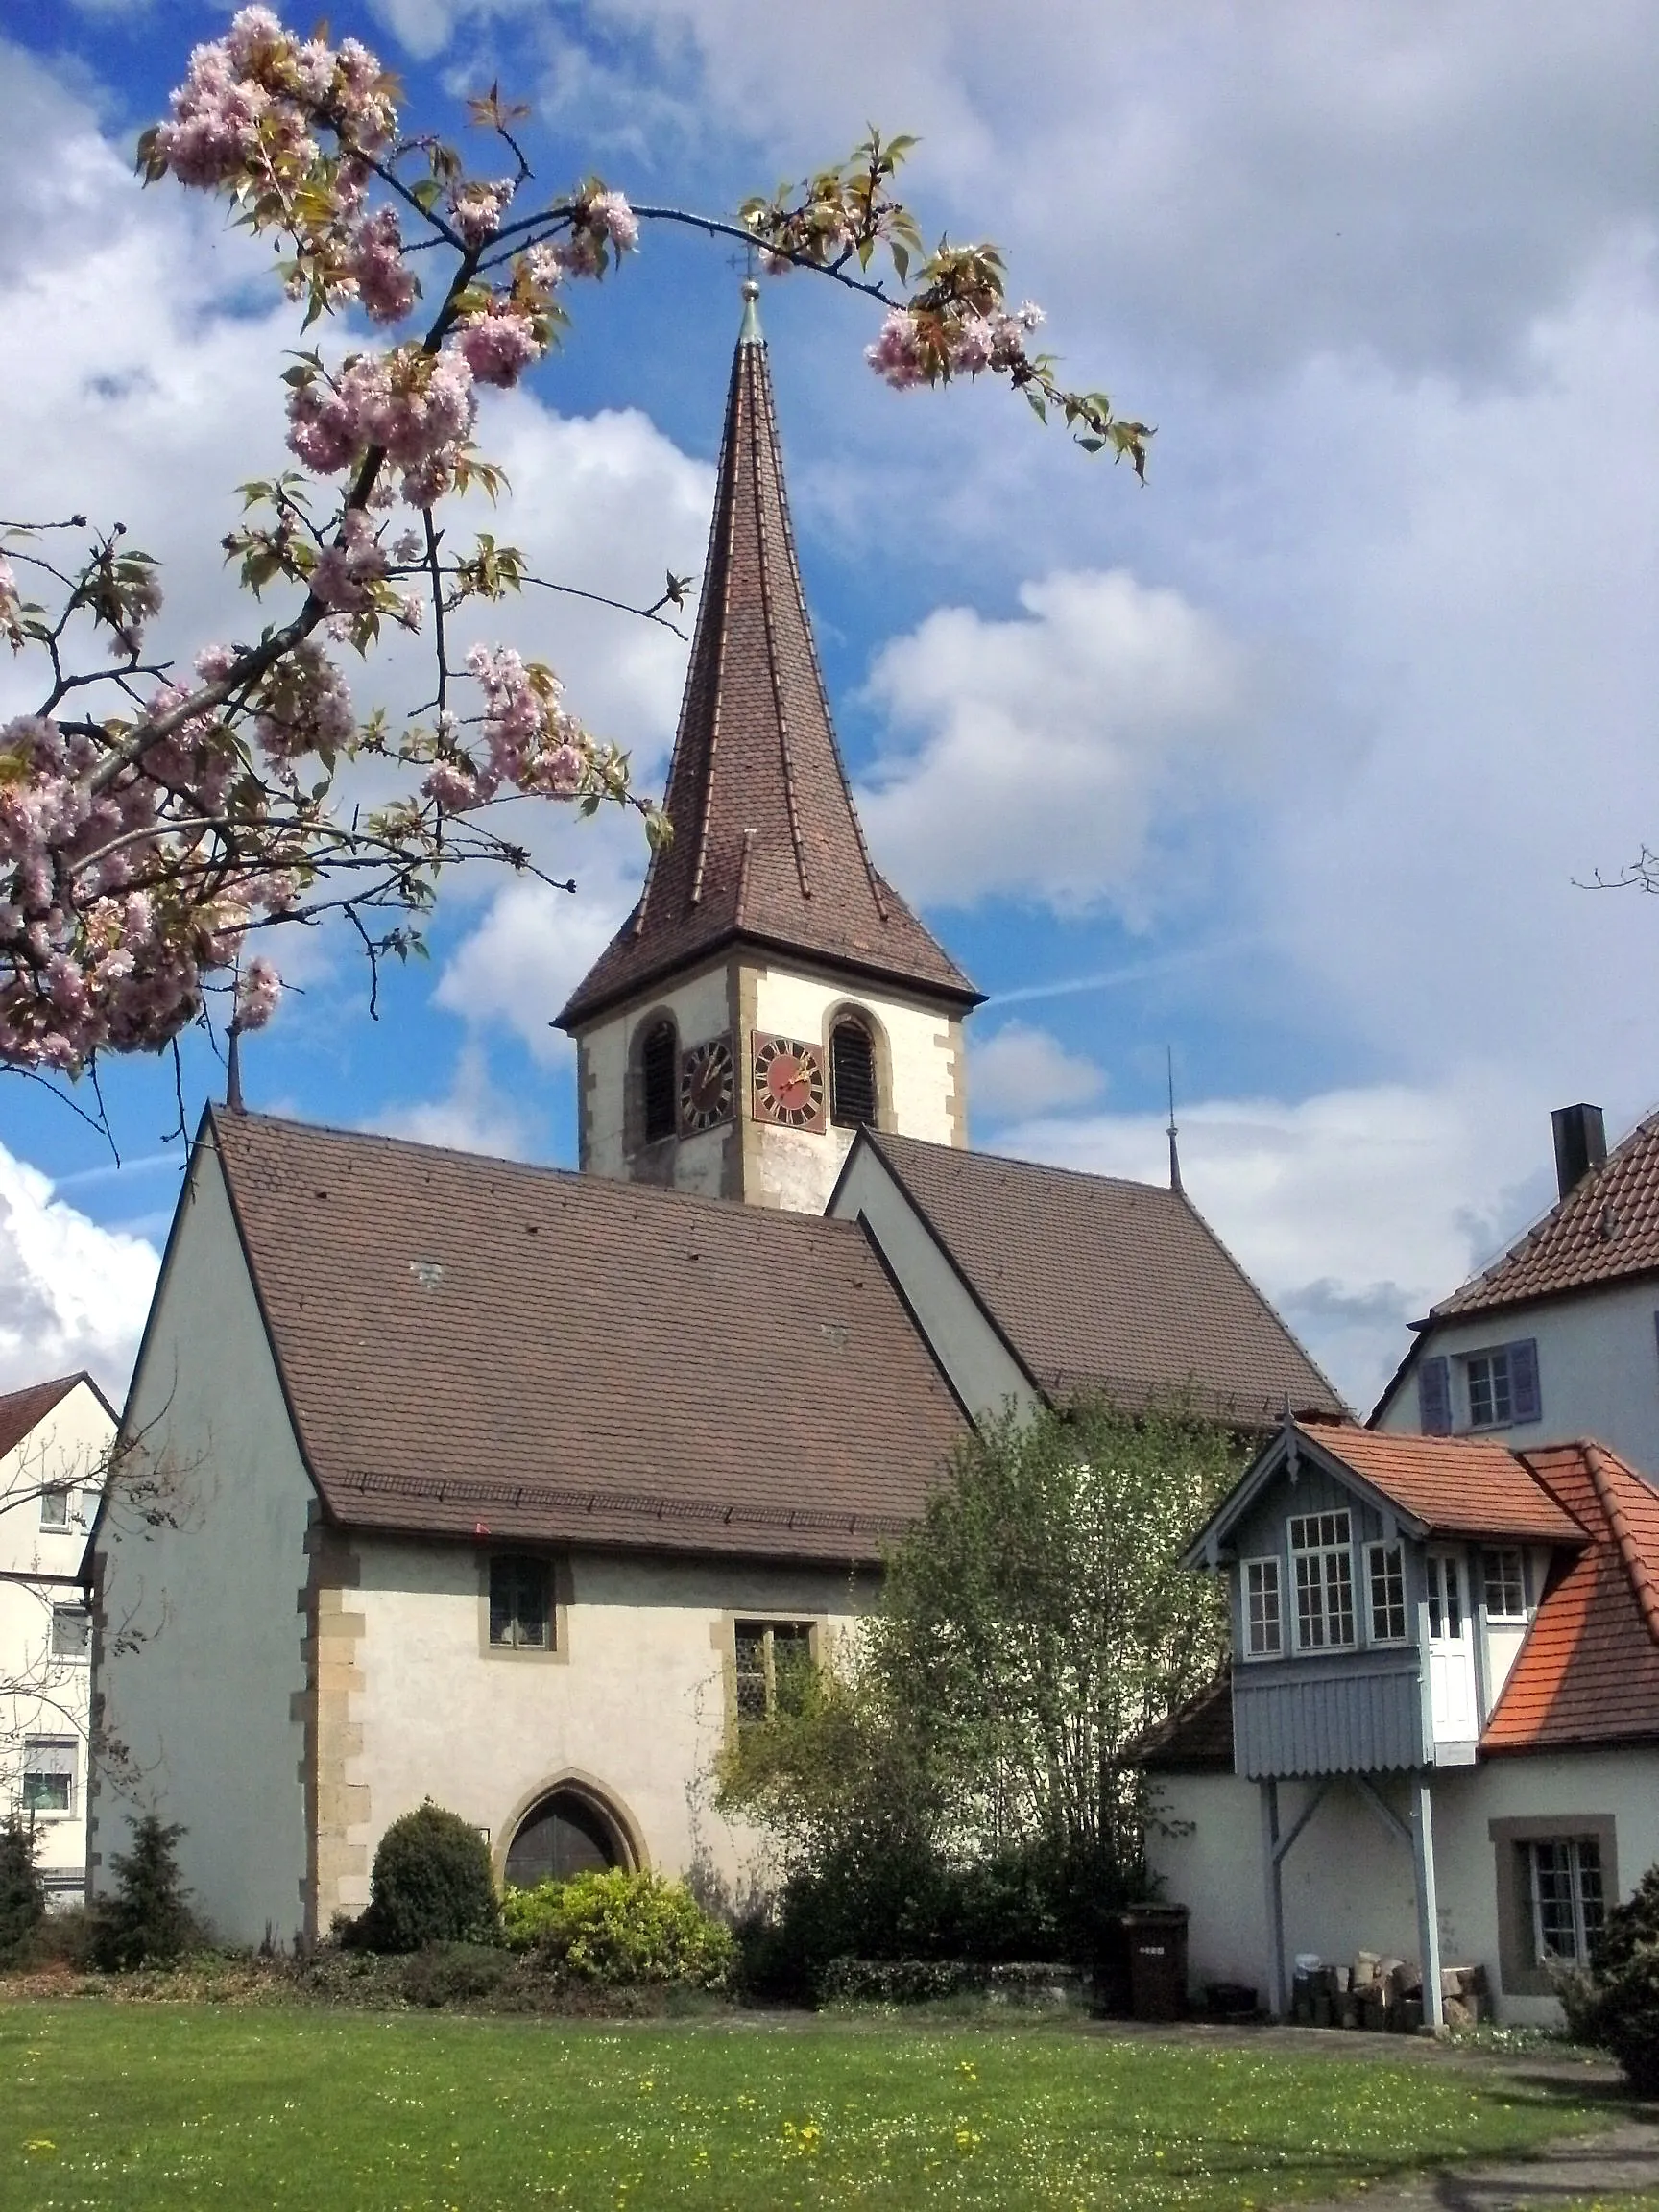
(1523, 1395)
(1434, 1397)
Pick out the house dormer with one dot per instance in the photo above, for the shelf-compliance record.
(1382, 1588)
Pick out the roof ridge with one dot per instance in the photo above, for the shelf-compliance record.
(1636, 1567)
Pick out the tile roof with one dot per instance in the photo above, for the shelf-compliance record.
(1454, 1485)
(767, 846)
(471, 1343)
(1101, 1284)
(1606, 1227)
(1196, 1740)
(21, 1411)
(1588, 1670)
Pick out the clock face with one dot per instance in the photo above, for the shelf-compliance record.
(707, 1084)
(788, 1083)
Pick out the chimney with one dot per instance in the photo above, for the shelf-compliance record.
(1580, 1143)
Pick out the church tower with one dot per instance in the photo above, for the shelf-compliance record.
(770, 992)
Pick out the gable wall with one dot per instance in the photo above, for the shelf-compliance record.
(983, 1372)
(634, 1703)
(211, 1704)
(1598, 1371)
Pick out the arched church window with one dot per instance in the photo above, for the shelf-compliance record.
(566, 1834)
(852, 1075)
(660, 1079)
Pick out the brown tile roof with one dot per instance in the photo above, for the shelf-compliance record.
(472, 1345)
(1099, 1283)
(1606, 1227)
(1589, 1670)
(767, 846)
(1454, 1485)
(1196, 1740)
(21, 1411)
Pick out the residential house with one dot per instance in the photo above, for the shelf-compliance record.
(55, 1440)
(1440, 1734)
(1559, 1337)
(520, 1488)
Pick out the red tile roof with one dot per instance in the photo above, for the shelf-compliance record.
(1196, 1740)
(767, 847)
(1454, 1485)
(1588, 1670)
(471, 1345)
(1097, 1283)
(21, 1411)
(1605, 1228)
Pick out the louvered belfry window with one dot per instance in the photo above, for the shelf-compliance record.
(660, 1081)
(851, 1076)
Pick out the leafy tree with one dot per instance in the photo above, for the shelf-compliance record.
(964, 1771)
(1617, 2004)
(22, 1893)
(147, 1921)
(156, 821)
(431, 1883)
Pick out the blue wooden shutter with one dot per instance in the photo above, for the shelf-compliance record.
(1523, 1397)
(1434, 1397)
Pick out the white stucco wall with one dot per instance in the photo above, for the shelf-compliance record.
(1598, 1371)
(634, 1703)
(207, 1704)
(984, 1373)
(1347, 1881)
(49, 1696)
(701, 1006)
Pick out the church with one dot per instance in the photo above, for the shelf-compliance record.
(515, 1487)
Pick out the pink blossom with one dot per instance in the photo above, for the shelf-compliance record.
(972, 345)
(258, 988)
(499, 345)
(475, 209)
(347, 571)
(543, 267)
(898, 353)
(374, 258)
(304, 705)
(610, 212)
(452, 787)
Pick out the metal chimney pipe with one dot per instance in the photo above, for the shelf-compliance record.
(1580, 1143)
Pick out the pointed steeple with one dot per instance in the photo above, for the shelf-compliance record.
(767, 846)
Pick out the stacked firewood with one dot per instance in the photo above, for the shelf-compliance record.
(1382, 1993)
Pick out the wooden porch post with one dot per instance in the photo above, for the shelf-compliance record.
(1428, 1904)
(1271, 1864)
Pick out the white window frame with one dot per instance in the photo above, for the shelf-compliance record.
(1324, 1568)
(1494, 1364)
(1268, 1570)
(59, 1494)
(33, 1746)
(1377, 1555)
(1583, 1931)
(1503, 1615)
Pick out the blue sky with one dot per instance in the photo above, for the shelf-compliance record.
(1290, 762)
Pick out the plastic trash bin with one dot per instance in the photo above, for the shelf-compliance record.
(1157, 1961)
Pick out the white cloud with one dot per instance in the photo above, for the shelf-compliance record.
(1051, 746)
(472, 1118)
(1019, 1070)
(1353, 1210)
(71, 1294)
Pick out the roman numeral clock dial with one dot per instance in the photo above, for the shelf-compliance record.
(788, 1082)
(707, 1086)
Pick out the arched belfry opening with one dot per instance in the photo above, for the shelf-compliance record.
(852, 1084)
(566, 1832)
(660, 1081)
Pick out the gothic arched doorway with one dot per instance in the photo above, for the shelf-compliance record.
(565, 1833)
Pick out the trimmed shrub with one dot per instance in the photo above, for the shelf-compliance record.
(22, 1893)
(616, 1928)
(454, 1973)
(147, 1920)
(431, 1883)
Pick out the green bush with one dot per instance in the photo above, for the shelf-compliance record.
(147, 1920)
(616, 1928)
(454, 1973)
(1617, 2005)
(431, 1883)
(22, 1893)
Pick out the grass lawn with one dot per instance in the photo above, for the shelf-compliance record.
(158, 2104)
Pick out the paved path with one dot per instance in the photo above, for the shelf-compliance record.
(1619, 2163)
